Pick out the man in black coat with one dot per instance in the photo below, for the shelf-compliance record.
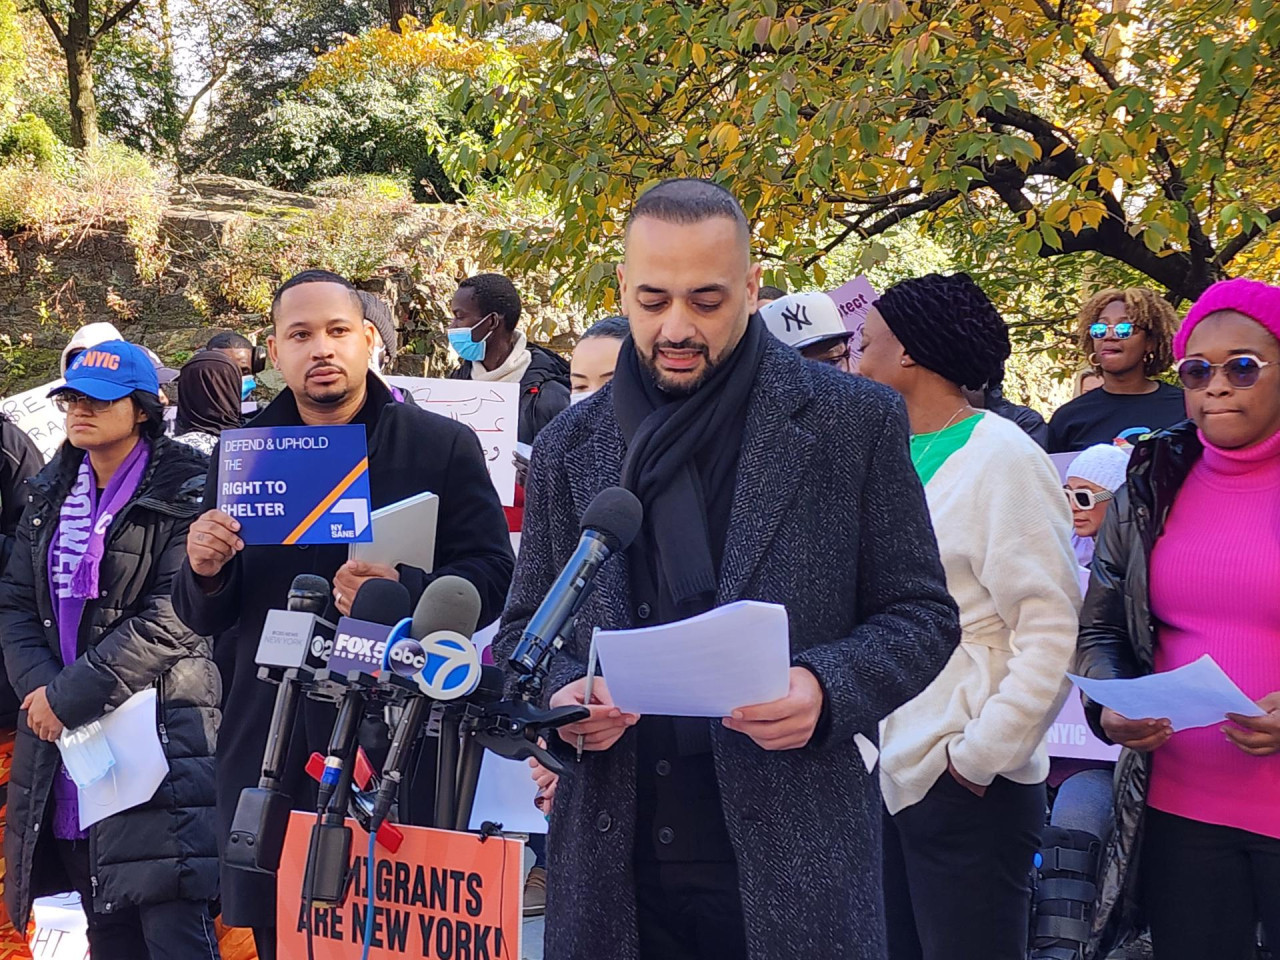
(321, 344)
(485, 334)
(763, 477)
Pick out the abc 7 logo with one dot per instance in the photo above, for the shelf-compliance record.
(452, 666)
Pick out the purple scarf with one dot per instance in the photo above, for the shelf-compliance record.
(75, 555)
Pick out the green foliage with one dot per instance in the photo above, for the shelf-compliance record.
(92, 190)
(1030, 130)
(366, 186)
(137, 89)
(29, 138)
(13, 57)
(352, 237)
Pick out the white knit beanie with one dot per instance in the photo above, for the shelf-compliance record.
(1103, 464)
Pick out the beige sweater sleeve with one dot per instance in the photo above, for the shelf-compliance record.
(1022, 556)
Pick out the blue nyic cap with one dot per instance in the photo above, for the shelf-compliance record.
(110, 371)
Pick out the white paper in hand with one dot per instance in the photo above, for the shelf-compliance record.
(140, 767)
(1197, 695)
(734, 656)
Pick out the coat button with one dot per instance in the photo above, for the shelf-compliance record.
(35, 522)
(666, 836)
(604, 822)
(644, 611)
(663, 767)
(103, 593)
(48, 623)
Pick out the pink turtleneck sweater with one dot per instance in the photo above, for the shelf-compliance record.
(1215, 589)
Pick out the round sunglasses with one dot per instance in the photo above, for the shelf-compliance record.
(1242, 371)
(66, 400)
(1121, 331)
(1087, 499)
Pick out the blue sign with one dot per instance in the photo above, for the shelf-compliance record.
(291, 485)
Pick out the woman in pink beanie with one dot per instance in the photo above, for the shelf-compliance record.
(1188, 565)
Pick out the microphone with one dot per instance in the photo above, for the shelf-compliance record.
(439, 667)
(357, 637)
(610, 523)
(297, 640)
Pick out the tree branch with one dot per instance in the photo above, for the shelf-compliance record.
(47, 12)
(1245, 237)
(113, 21)
(218, 74)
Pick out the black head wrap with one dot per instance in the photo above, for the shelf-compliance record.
(209, 394)
(948, 325)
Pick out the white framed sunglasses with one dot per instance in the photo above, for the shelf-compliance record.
(1086, 499)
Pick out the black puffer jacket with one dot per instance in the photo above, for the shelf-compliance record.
(19, 462)
(1117, 639)
(130, 639)
(544, 390)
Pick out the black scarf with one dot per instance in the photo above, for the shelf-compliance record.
(681, 450)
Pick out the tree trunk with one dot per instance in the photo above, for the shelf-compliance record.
(401, 9)
(84, 108)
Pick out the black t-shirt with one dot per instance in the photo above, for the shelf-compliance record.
(1101, 417)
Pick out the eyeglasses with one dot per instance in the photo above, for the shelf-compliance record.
(65, 401)
(1086, 499)
(1242, 371)
(837, 355)
(1121, 331)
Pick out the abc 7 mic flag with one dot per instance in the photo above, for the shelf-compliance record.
(444, 665)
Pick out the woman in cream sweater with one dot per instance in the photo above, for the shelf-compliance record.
(963, 766)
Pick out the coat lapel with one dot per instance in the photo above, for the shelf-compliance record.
(775, 452)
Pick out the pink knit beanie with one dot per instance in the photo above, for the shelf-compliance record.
(1259, 301)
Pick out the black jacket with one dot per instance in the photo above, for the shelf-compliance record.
(410, 450)
(20, 460)
(544, 390)
(829, 518)
(1117, 639)
(130, 638)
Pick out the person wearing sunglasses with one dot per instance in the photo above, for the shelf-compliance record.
(1092, 480)
(86, 622)
(963, 765)
(1187, 565)
(1127, 337)
(810, 324)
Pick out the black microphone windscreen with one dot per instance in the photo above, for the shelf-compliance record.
(381, 601)
(616, 515)
(489, 690)
(309, 594)
(448, 603)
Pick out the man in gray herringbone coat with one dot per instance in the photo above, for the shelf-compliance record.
(767, 477)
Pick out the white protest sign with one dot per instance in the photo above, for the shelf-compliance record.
(853, 300)
(61, 932)
(36, 414)
(492, 410)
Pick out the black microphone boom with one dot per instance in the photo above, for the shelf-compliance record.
(609, 524)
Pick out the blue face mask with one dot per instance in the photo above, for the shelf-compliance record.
(466, 348)
(247, 385)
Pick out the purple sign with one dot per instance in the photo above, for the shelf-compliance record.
(1071, 737)
(853, 300)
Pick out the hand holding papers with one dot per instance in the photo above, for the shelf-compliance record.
(1197, 695)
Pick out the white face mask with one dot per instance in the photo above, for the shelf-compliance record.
(86, 754)
(579, 397)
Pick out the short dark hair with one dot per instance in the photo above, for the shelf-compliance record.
(154, 426)
(770, 293)
(615, 328)
(494, 293)
(228, 340)
(687, 201)
(315, 276)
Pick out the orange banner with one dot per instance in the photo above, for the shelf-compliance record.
(443, 895)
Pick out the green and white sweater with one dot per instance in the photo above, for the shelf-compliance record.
(1004, 532)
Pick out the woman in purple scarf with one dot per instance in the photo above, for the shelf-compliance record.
(86, 622)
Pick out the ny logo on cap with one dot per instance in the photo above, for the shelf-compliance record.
(797, 314)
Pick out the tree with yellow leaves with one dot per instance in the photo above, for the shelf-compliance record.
(1139, 133)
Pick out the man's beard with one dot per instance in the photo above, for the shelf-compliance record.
(673, 387)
